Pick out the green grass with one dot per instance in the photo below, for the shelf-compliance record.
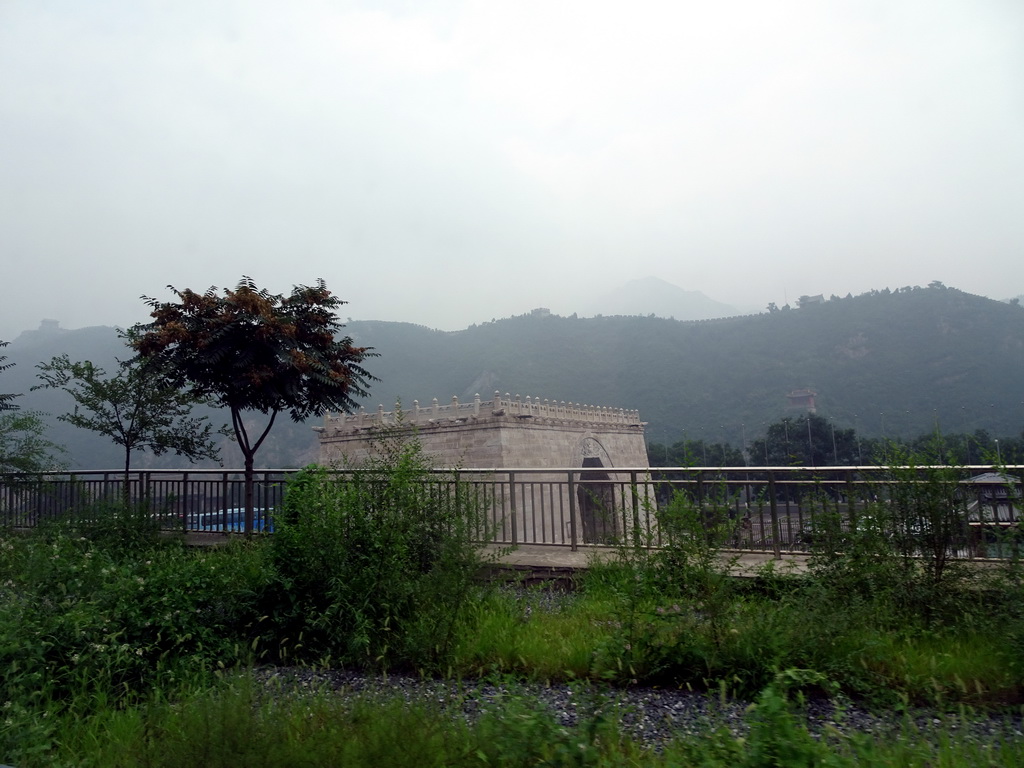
(948, 667)
(237, 723)
(514, 635)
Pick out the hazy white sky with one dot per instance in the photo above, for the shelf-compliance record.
(448, 162)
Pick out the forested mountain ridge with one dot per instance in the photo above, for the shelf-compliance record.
(892, 361)
(896, 363)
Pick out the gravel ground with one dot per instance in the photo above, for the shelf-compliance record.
(651, 715)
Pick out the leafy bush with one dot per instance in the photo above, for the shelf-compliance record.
(899, 552)
(89, 620)
(674, 606)
(376, 566)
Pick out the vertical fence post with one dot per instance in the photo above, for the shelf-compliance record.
(496, 511)
(637, 538)
(183, 503)
(224, 499)
(572, 511)
(37, 497)
(774, 507)
(512, 506)
(700, 507)
(851, 504)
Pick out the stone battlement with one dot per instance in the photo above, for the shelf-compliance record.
(478, 411)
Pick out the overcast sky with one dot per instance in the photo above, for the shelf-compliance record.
(448, 162)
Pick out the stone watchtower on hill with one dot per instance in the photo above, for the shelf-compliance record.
(512, 433)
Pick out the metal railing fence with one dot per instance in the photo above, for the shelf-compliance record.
(970, 511)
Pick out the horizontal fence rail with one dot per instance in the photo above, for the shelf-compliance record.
(967, 512)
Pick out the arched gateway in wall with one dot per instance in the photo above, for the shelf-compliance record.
(513, 433)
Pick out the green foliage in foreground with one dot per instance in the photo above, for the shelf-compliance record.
(240, 723)
(376, 569)
(884, 617)
(108, 631)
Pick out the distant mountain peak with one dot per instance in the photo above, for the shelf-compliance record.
(653, 296)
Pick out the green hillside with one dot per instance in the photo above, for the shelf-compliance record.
(894, 361)
(897, 362)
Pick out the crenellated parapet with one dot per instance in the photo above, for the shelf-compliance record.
(499, 408)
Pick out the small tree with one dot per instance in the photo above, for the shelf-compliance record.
(251, 350)
(135, 408)
(6, 403)
(23, 445)
(23, 448)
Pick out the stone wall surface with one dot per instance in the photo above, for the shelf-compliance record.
(503, 432)
(507, 434)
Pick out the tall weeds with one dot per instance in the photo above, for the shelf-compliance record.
(375, 566)
(88, 619)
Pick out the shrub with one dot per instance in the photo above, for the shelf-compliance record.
(898, 552)
(375, 565)
(674, 606)
(85, 621)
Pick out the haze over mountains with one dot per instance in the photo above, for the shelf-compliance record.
(654, 296)
(892, 363)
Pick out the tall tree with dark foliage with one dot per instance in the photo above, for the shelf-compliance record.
(251, 350)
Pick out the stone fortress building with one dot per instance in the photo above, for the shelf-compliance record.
(498, 433)
(581, 443)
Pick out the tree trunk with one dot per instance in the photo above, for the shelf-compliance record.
(249, 516)
(126, 490)
(249, 452)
